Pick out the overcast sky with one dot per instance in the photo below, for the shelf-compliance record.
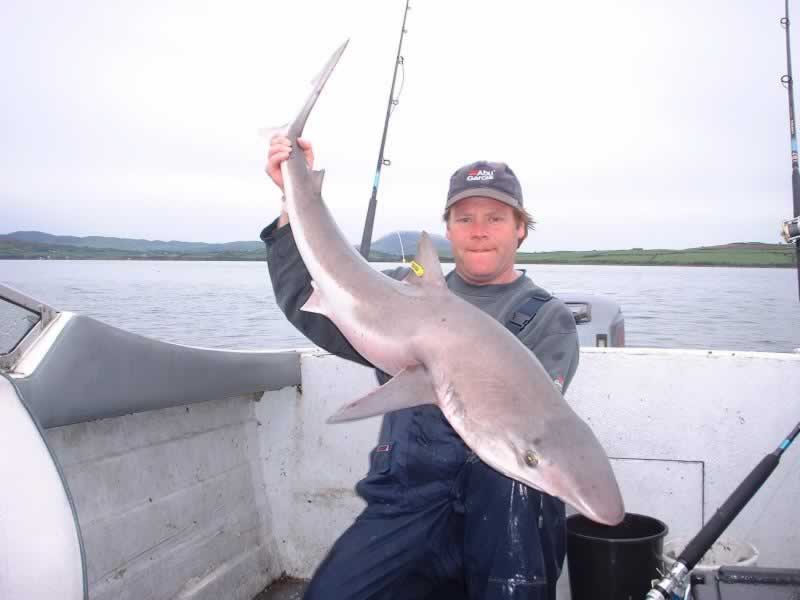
(653, 123)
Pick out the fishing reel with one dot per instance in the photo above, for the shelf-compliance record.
(790, 231)
(673, 585)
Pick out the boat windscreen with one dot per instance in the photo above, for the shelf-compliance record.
(15, 323)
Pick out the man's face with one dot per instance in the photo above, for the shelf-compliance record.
(484, 235)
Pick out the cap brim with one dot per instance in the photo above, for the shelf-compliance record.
(484, 193)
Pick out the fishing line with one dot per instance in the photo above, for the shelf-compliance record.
(396, 99)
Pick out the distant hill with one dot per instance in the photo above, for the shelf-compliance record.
(389, 245)
(135, 245)
(404, 243)
(11, 248)
(34, 244)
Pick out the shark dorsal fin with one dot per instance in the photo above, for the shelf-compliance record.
(426, 268)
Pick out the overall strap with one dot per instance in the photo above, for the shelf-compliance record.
(526, 311)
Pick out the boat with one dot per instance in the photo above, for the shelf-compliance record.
(137, 468)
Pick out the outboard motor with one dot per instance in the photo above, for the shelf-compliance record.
(599, 319)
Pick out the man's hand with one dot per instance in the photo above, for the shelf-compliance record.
(279, 149)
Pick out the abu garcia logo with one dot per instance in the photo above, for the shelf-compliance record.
(480, 175)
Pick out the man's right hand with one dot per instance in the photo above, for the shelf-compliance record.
(279, 149)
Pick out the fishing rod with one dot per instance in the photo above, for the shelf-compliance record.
(675, 580)
(366, 238)
(791, 228)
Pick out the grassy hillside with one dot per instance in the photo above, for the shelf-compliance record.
(15, 249)
(130, 245)
(728, 255)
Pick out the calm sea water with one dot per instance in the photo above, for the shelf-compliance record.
(231, 304)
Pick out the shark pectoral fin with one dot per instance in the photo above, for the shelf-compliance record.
(426, 268)
(316, 180)
(410, 387)
(314, 304)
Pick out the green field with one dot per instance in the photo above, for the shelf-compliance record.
(729, 255)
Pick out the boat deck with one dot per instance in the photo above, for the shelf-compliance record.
(285, 588)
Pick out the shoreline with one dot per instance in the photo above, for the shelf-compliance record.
(588, 263)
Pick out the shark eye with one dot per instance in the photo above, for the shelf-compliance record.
(531, 459)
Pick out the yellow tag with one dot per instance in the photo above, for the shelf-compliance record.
(417, 268)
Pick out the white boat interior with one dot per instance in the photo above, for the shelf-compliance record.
(138, 469)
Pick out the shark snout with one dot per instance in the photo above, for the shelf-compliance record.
(605, 513)
(598, 499)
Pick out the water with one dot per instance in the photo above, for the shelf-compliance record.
(231, 304)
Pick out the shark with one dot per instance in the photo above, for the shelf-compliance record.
(442, 350)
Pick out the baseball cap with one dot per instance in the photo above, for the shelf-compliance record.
(483, 178)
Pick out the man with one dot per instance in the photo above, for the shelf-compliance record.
(439, 523)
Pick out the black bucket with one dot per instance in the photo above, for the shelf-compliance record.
(614, 563)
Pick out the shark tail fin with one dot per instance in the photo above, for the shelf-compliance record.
(269, 132)
(297, 126)
(322, 76)
(426, 268)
